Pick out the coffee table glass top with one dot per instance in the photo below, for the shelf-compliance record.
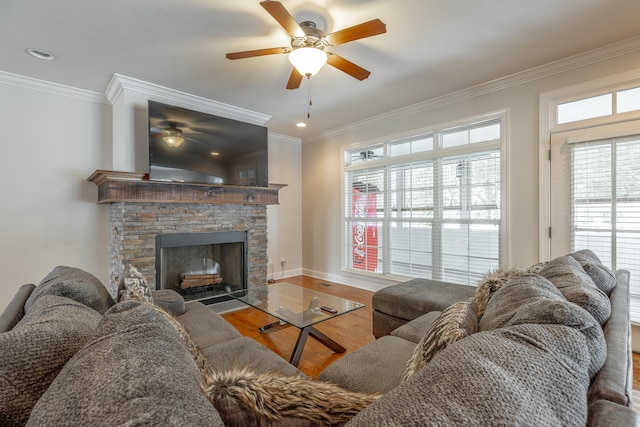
(296, 305)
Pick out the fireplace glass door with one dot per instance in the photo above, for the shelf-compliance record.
(202, 267)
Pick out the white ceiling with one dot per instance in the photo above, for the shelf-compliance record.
(431, 48)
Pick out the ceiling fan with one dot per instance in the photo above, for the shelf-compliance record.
(307, 52)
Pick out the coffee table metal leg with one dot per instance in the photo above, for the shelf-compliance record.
(318, 336)
(272, 327)
(328, 342)
(297, 350)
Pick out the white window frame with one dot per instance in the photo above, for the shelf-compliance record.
(548, 125)
(502, 115)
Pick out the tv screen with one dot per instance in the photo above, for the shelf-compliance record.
(190, 146)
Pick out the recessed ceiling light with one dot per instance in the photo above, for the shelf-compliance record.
(301, 124)
(214, 153)
(41, 54)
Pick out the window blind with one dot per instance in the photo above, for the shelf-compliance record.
(605, 205)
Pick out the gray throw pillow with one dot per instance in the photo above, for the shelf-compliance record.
(75, 284)
(575, 284)
(36, 349)
(137, 371)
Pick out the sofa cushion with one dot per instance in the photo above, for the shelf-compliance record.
(602, 277)
(375, 368)
(200, 321)
(576, 286)
(455, 322)
(15, 310)
(531, 299)
(414, 331)
(36, 349)
(76, 284)
(245, 352)
(137, 371)
(521, 375)
(169, 300)
(247, 398)
(506, 301)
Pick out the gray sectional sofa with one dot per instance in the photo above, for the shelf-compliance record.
(548, 345)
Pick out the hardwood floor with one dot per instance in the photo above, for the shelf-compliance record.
(351, 330)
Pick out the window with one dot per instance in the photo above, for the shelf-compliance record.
(426, 206)
(607, 104)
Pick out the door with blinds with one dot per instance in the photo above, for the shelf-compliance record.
(595, 197)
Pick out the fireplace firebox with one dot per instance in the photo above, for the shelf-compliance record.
(203, 267)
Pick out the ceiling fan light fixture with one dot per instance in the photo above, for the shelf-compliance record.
(173, 137)
(307, 60)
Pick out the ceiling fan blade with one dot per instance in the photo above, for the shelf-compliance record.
(360, 31)
(282, 15)
(257, 52)
(294, 79)
(347, 66)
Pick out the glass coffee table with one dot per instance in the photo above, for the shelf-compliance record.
(297, 306)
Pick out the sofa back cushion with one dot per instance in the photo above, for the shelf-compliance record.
(15, 310)
(36, 349)
(602, 277)
(521, 375)
(75, 284)
(137, 371)
(532, 299)
(576, 286)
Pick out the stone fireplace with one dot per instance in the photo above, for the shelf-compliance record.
(143, 212)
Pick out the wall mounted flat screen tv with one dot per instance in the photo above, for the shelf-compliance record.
(190, 146)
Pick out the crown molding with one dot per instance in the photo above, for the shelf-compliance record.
(53, 88)
(278, 137)
(119, 83)
(556, 67)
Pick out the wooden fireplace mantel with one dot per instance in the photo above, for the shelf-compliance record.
(114, 186)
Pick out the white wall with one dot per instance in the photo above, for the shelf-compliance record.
(53, 139)
(519, 94)
(284, 221)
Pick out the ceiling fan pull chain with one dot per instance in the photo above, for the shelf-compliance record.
(309, 96)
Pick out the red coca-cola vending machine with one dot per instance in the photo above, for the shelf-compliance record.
(364, 233)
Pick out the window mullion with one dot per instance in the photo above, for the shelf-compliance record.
(614, 203)
(386, 223)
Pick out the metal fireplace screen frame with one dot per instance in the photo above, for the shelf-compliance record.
(225, 243)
